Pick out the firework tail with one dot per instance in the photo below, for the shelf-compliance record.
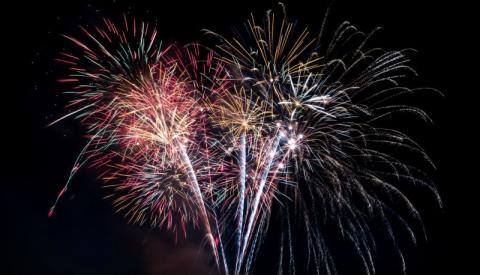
(199, 197)
(223, 256)
(241, 203)
(81, 159)
(258, 195)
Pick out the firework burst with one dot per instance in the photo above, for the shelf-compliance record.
(216, 138)
(325, 160)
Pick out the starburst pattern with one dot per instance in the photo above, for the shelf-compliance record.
(217, 137)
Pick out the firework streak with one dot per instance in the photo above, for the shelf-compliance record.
(215, 138)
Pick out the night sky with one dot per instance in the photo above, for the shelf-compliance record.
(86, 236)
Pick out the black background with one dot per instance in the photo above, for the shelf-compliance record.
(85, 236)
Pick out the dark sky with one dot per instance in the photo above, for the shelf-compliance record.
(86, 237)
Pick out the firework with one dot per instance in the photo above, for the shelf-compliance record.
(145, 119)
(321, 150)
(216, 137)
